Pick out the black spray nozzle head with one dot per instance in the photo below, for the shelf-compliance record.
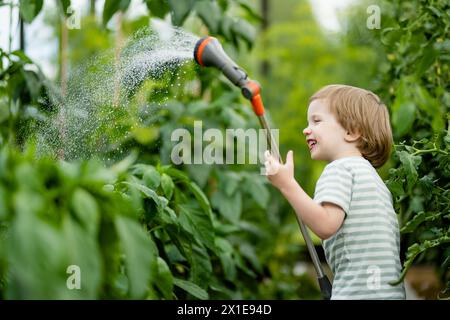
(208, 52)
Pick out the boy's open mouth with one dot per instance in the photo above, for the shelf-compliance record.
(311, 143)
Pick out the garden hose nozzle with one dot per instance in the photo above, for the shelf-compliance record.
(208, 52)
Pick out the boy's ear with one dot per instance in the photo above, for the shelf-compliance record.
(352, 136)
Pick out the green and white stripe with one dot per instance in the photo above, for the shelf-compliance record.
(364, 253)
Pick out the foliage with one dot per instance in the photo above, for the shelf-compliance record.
(138, 228)
(214, 14)
(22, 96)
(416, 85)
(57, 214)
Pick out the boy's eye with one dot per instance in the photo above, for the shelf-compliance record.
(316, 120)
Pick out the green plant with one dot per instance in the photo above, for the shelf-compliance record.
(134, 229)
(22, 97)
(57, 214)
(416, 85)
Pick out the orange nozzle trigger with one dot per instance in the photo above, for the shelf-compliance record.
(258, 106)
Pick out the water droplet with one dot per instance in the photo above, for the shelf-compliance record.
(99, 92)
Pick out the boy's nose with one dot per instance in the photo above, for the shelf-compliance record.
(306, 131)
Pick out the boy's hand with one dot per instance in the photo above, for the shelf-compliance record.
(280, 175)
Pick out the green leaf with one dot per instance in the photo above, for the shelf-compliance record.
(22, 56)
(229, 181)
(390, 36)
(108, 188)
(226, 258)
(123, 165)
(94, 173)
(410, 164)
(164, 280)
(86, 210)
(39, 244)
(229, 207)
(249, 252)
(176, 174)
(447, 137)
(200, 173)
(254, 229)
(415, 250)
(426, 184)
(223, 4)
(112, 6)
(199, 224)
(209, 11)
(245, 31)
(430, 105)
(169, 216)
(396, 187)
(33, 83)
(157, 8)
(427, 59)
(64, 5)
(436, 11)
(430, 234)
(3, 203)
(258, 191)
(201, 197)
(193, 187)
(145, 135)
(180, 10)
(140, 253)
(191, 288)
(416, 204)
(161, 202)
(84, 253)
(182, 241)
(201, 267)
(223, 245)
(151, 177)
(403, 118)
(28, 177)
(226, 27)
(167, 185)
(241, 265)
(233, 119)
(249, 8)
(29, 9)
(228, 265)
(419, 218)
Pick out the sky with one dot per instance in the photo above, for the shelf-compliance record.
(44, 46)
(325, 11)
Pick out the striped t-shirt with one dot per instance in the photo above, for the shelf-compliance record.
(364, 254)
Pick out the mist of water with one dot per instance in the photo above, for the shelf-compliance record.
(99, 95)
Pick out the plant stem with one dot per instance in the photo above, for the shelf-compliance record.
(430, 151)
(10, 26)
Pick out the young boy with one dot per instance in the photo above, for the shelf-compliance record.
(352, 209)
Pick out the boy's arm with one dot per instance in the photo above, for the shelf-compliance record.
(324, 220)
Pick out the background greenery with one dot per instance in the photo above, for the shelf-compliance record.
(139, 227)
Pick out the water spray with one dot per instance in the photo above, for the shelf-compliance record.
(208, 52)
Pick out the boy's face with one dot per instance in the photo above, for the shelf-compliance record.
(324, 135)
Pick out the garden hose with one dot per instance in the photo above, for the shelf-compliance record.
(208, 52)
